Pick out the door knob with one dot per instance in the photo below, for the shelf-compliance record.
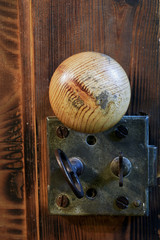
(89, 92)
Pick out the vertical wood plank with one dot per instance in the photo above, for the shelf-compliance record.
(12, 177)
(29, 119)
(126, 30)
(123, 30)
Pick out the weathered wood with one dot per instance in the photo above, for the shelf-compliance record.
(128, 32)
(29, 119)
(12, 178)
(36, 36)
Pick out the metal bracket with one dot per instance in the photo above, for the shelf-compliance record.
(103, 195)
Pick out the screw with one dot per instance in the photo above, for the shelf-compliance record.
(62, 201)
(62, 132)
(137, 203)
(122, 202)
(121, 131)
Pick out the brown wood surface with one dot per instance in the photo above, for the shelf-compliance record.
(29, 119)
(36, 36)
(128, 32)
(12, 180)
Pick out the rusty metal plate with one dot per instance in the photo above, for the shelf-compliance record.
(101, 186)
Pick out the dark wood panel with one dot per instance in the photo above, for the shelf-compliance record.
(128, 32)
(12, 180)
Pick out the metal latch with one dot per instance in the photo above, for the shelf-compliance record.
(111, 170)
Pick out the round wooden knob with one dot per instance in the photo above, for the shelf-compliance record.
(89, 92)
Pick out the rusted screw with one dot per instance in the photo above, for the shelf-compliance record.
(137, 203)
(122, 202)
(62, 201)
(62, 132)
(121, 131)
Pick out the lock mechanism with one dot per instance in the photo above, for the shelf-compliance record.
(116, 169)
(71, 169)
(101, 163)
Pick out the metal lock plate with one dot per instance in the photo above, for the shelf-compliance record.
(101, 186)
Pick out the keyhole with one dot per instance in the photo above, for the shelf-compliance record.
(126, 166)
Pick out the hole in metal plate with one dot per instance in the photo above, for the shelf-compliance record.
(91, 193)
(91, 140)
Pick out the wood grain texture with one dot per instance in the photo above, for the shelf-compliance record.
(12, 177)
(89, 92)
(29, 119)
(127, 31)
(36, 36)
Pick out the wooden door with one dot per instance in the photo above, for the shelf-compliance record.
(36, 36)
